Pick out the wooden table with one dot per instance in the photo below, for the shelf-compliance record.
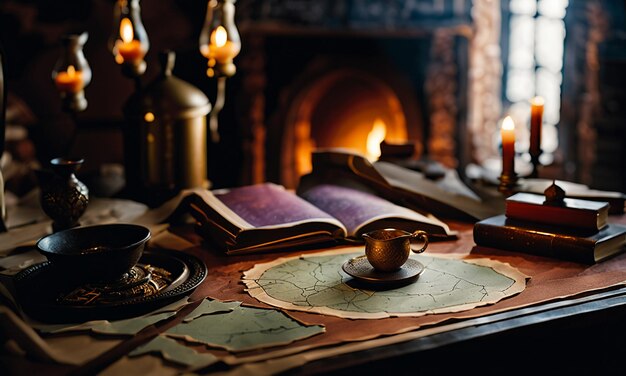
(581, 332)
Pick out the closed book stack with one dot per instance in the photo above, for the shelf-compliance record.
(577, 213)
(565, 243)
(563, 228)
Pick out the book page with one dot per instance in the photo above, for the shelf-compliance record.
(356, 209)
(447, 197)
(269, 206)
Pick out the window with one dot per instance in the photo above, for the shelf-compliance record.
(534, 67)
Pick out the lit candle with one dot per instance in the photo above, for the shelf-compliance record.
(220, 48)
(70, 81)
(508, 146)
(128, 49)
(536, 118)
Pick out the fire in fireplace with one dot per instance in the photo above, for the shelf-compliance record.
(340, 79)
(347, 106)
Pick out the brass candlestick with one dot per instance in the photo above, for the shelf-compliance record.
(507, 183)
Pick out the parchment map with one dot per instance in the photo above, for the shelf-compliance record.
(316, 283)
(232, 327)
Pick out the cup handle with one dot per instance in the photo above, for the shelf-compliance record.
(423, 236)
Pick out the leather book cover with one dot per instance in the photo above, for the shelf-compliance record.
(550, 241)
(587, 214)
(617, 200)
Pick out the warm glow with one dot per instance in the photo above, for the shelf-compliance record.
(148, 117)
(219, 37)
(508, 146)
(220, 50)
(537, 101)
(508, 123)
(128, 49)
(374, 138)
(126, 30)
(69, 81)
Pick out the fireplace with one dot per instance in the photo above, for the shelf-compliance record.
(335, 77)
(340, 100)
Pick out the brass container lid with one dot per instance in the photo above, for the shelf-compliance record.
(168, 98)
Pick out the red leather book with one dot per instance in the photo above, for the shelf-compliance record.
(586, 214)
(564, 243)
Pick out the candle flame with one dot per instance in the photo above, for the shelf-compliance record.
(537, 101)
(508, 123)
(126, 30)
(219, 36)
(374, 138)
(71, 71)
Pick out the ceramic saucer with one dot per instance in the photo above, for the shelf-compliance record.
(361, 270)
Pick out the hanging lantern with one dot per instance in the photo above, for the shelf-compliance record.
(71, 73)
(129, 41)
(219, 39)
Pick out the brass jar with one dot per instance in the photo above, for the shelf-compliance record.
(166, 140)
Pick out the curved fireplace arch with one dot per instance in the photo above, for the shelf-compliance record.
(335, 105)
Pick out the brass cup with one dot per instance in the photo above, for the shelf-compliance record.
(388, 249)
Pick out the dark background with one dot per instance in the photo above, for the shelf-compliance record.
(30, 31)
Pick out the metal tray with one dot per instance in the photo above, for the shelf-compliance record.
(39, 288)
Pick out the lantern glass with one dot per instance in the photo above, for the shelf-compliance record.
(219, 39)
(129, 41)
(71, 72)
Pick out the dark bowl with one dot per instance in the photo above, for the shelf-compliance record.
(97, 253)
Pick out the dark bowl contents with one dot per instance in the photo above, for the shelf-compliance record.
(96, 253)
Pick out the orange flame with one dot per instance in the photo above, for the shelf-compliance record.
(126, 30)
(219, 37)
(374, 138)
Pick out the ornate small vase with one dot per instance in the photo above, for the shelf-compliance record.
(64, 198)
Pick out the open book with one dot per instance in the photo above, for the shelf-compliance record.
(447, 198)
(267, 217)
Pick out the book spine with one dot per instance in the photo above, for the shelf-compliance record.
(534, 242)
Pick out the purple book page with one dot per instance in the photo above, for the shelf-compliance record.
(269, 205)
(351, 207)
